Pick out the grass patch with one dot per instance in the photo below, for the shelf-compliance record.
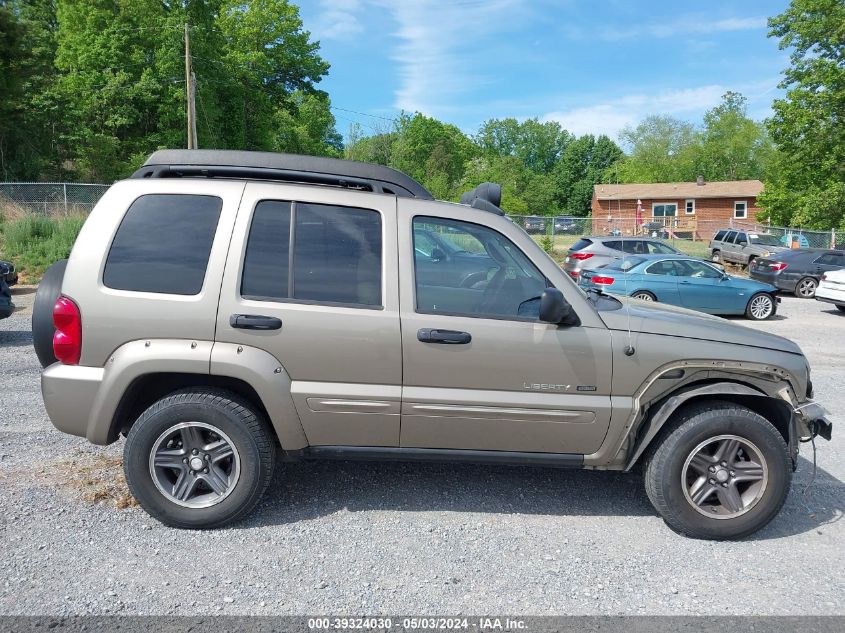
(94, 478)
(33, 242)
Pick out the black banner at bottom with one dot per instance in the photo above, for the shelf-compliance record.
(421, 623)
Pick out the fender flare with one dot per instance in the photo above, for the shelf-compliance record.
(673, 402)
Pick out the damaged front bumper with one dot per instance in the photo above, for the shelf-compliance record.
(811, 420)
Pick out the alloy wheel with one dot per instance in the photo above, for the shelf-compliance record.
(194, 464)
(761, 307)
(643, 296)
(724, 477)
(806, 288)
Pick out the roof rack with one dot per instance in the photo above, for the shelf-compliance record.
(212, 163)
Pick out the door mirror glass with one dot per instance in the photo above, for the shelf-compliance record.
(554, 308)
(742, 242)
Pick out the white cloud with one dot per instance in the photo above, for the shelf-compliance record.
(611, 116)
(439, 41)
(699, 24)
(338, 20)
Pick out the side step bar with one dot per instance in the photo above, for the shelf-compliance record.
(380, 453)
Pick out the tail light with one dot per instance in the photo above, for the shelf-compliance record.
(778, 266)
(574, 274)
(581, 256)
(67, 339)
(824, 277)
(603, 281)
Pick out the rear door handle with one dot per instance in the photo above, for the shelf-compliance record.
(444, 337)
(254, 322)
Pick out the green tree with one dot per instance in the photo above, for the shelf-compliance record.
(432, 152)
(583, 165)
(538, 145)
(662, 149)
(28, 143)
(732, 146)
(806, 185)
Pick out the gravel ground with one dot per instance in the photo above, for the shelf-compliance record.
(389, 538)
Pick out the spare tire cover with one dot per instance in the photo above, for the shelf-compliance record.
(42, 312)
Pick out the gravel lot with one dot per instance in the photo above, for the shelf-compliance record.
(383, 538)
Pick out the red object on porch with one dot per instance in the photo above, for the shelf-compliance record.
(639, 212)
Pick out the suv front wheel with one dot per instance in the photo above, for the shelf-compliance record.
(723, 473)
(199, 458)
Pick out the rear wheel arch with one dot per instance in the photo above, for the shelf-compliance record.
(147, 389)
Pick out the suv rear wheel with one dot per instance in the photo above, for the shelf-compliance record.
(723, 473)
(199, 458)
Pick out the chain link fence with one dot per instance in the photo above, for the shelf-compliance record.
(50, 198)
(674, 229)
(791, 237)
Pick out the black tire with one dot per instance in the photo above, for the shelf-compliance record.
(716, 257)
(42, 312)
(841, 308)
(750, 262)
(223, 410)
(695, 425)
(753, 314)
(644, 295)
(806, 287)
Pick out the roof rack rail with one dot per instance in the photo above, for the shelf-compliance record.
(294, 168)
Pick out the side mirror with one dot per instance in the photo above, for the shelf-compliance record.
(743, 242)
(725, 277)
(555, 309)
(437, 255)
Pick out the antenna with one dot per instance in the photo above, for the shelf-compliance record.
(629, 349)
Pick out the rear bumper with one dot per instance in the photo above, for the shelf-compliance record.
(69, 393)
(773, 279)
(830, 295)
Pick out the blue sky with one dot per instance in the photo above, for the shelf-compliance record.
(593, 66)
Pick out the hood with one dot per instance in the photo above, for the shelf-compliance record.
(659, 318)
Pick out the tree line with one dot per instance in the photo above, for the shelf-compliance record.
(88, 88)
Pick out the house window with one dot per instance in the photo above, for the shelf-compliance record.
(690, 207)
(664, 210)
(740, 210)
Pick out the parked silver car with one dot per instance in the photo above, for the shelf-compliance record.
(593, 252)
(223, 314)
(743, 247)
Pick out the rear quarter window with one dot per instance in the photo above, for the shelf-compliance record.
(163, 243)
(720, 236)
(580, 244)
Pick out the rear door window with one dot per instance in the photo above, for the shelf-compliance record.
(336, 258)
(163, 244)
(729, 238)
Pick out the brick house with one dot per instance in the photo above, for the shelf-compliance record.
(686, 209)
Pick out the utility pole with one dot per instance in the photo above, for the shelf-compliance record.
(190, 93)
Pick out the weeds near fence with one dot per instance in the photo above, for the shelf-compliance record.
(33, 242)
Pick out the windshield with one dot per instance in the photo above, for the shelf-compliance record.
(625, 264)
(763, 240)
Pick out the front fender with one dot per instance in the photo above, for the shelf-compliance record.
(663, 412)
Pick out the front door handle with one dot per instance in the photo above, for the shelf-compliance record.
(254, 322)
(444, 337)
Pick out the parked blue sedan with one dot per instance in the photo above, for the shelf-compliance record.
(684, 281)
